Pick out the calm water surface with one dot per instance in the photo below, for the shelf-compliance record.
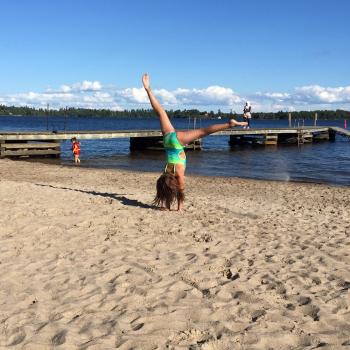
(326, 162)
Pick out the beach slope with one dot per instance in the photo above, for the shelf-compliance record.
(86, 262)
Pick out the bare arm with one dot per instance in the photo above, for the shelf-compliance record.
(181, 194)
(165, 123)
(180, 177)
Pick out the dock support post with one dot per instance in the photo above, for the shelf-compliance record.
(270, 139)
(307, 137)
(2, 149)
(300, 137)
(290, 119)
(315, 120)
(195, 145)
(332, 134)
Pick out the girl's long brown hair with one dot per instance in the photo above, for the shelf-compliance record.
(167, 191)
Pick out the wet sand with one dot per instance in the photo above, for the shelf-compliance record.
(87, 263)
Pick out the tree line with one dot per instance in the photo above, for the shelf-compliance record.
(185, 113)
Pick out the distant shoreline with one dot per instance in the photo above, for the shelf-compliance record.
(255, 116)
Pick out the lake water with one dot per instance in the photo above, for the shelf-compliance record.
(326, 162)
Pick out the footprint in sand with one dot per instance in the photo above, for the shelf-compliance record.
(290, 306)
(137, 326)
(17, 337)
(59, 338)
(192, 338)
(312, 311)
(238, 294)
(257, 314)
(304, 300)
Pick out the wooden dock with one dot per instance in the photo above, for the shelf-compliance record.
(340, 131)
(47, 143)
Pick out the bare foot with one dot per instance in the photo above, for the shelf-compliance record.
(234, 122)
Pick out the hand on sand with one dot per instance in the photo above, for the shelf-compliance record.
(163, 209)
(234, 122)
(145, 81)
(180, 210)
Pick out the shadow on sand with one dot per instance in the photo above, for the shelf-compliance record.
(118, 197)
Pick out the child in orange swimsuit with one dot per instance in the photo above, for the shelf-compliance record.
(76, 150)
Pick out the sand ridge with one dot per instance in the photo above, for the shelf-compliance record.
(87, 263)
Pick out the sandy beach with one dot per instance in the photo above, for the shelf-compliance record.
(86, 262)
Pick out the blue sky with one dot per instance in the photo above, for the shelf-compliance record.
(200, 53)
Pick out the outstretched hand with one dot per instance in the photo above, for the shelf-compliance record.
(145, 81)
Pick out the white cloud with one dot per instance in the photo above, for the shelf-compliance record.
(66, 88)
(280, 96)
(83, 86)
(87, 86)
(92, 94)
(82, 95)
(167, 97)
(319, 94)
(212, 95)
(132, 95)
(306, 98)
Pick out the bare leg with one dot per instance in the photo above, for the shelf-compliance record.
(185, 137)
(77, 159)
(165, 124)
(246, 120)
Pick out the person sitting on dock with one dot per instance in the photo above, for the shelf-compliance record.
(247, 114)
(76, 150)
(171, 184)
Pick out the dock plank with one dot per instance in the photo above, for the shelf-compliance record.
(29, 152)
(31, 145)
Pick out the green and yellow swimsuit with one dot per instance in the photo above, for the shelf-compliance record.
(174, 150)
